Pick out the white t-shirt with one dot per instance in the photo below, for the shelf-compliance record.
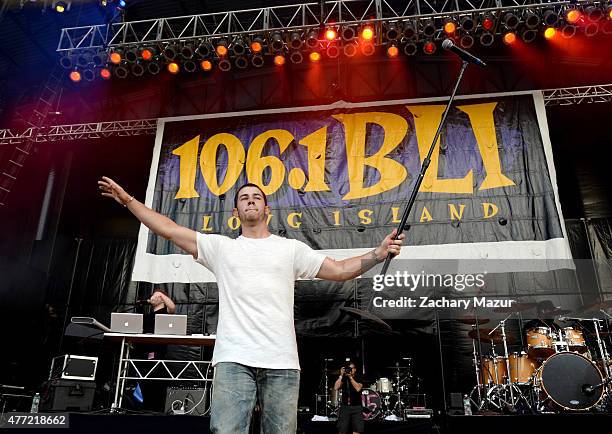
(256, 278)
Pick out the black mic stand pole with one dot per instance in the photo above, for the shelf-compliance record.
(424, 167)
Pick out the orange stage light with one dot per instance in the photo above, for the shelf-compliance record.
(146, 54)
(550, 32)
(279, 60)
(510, 38)
(75, 76)
(330, 34)
(315, 56)
(206, 65)
(115, 58)
(392, 51)
(221, 50)
(450, 27)
(367, 33)
(573, 16)
(256, 47)
(173, 68)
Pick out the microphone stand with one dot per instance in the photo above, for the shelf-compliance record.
(424, 167)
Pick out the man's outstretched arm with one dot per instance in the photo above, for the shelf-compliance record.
(183, 237)
(350, 268)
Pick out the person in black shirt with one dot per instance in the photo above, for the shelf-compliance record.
(350, 418)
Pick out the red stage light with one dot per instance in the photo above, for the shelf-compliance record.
(146, 54)
(450, 27)
(429, 47)
(315, 56)
(75, 76)
(488, 23)
(367, 33)
(206, 65)
(256, 47)
(509, 38)
(173, 68)
(279, 60)
(572, 16)
(105, 73)
(550, 32)
(115, 58)
(330, 34)
(392, 51)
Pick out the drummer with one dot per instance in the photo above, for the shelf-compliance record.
(545, 317)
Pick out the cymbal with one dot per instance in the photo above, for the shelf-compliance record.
(469, 320)
(496, 336)
(553, 312)
(516, 307)
(398, 367)
(366, 316)
(594, 307)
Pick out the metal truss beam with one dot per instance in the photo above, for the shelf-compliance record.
(95, 130)
(283, 18)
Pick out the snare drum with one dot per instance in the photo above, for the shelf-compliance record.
(540, 343)
(522, 368)
(494, 370)
(575, 340)
(383, 385)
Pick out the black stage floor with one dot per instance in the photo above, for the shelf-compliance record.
(511, 424)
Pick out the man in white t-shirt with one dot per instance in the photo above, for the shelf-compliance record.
(255, 355)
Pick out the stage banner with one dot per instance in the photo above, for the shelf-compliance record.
(338, 177)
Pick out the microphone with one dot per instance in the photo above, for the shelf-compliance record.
(466, 56)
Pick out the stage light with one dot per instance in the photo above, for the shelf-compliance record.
(61, 6)
(392, 51)
(348, 33)
(368, 49)
(409, 29)
(315, 56)
(312, 41)
(429, 28)
(568, 31)
(572, 16)
(367, 33)
(466, 41)
(550, 32)
(89, 74)
(488, 22)
(350, 49)
(241, 62)
(332, 51)
(277, 42)
(295, 41)
(153, 68)
(206, 65)
(131, 54)
(239, 47)
(410, 49)
(75, 76)
(296, 57)
(221, 48)
(256, 45)
(173, 68)
(392, 32)
(511, 20)
(137, 70)
(531, 19)
(607, 27)
(66, 62)
(486, 39)
(591, 29)
(115, 57)
(449, 26)
(529, 35)
(122, 4)
(190, 66)
(594, 13)
(204, 49)
(429, 47)
(97, 59)
(121, 70)
(83, 59)
(224, 65)
(509, 38)
(550, 17)
(330, 34)
(279, 60)
(105, 73)
(467, 23)
(146, 54)
(608, 12)
(170, 52)
(257, 61)
(187, 51)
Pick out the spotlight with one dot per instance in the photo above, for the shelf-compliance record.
(105, 73)
(429, 47)
(409, 29)
(410, 49)
(137, 69)
(367, 33)
(332, 51)
(239, 47)
(312, 41)
(607, 27)
(279, 60)
(488, 22)
(449, 26)
(511, 20)
(115, 57)
(173, 68)
(550, 17)
(348, 33)
(429, 28)
(147, 54)
(241, 62)
(591, 29)
(153, 68)
(529, 35)
(170, 52)
(572, 16)
(61, 6)
(367, 49)
(509, 38)
(608, 13)
(83, 59)
(224, 65)
(392, 32)
(486, 39)
(221, 48)
(350, 50)
(296, 57)
(277, 41)
(75, 76)
(97, 59)
(89, 75)
(66, 62)
(466, 41)
(467, 23)
(331, 34)
(392, 51)
(314, 57)
(122, 4)
(295, 41)
(190, 66)
(187, 51)
(531, 19)
(206, 65)
(131, 54)
(121, 70)
(550, 32)
(594, 13)
(204, 49)
(257, 61)
(256, 45)
(568, 31)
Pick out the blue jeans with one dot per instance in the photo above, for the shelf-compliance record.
(237, 388)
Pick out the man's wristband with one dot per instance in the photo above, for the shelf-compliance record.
(128, 201)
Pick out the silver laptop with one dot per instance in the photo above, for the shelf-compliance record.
(170, 324)
(126, 322)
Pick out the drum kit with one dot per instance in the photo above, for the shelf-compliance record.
(556, 369)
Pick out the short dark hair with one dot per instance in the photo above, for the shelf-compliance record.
(249, 184)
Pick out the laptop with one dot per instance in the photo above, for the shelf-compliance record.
(170, 324)
(126, 322)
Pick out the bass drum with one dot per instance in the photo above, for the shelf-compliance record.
(563, 377)
(371, 403)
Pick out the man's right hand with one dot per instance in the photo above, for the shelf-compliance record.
(110, 188)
